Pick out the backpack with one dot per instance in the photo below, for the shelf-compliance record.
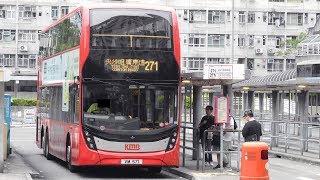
(234, 122)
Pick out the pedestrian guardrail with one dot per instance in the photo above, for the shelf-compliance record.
(184, 147)
(221, 151)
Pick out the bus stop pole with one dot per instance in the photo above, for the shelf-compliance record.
(1, 120)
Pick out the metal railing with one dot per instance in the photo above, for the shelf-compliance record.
(184, 146)
(221, 151)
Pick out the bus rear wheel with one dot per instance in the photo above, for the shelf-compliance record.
(154, 170)
(46, 152)
(71, 167)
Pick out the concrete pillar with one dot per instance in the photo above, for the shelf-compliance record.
(303, 100)
(197, 114)
(211, 99)
(275, 118)
(261, 105)
(245, 100)
(15, 88)
(251, 100)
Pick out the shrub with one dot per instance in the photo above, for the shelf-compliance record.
(23, 102)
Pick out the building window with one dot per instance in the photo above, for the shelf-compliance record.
(241, 40)
(265, 17)
(250, 64)
(264, 39)
(8, 60)
(251, 40)
(27, 35)
(275, 65)
(64, 10)
(197, 40)
(2, 12)
(276, 18)
(215, 40)
(184, 63)
(275, 41)
(290, 64)
(197, 16)
(23, 60)
(54, 12)
(27, 12)
(294, 19)
(7, 35)
(242, 17)
(295, 1)
(218, 61)
(194, 63)
(216, 17)
(251, 17)
(289, 38)
(32, 61)
(11, 12)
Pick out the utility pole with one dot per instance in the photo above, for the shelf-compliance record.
(1, 120)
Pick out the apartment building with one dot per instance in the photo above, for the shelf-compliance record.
(21, 22)
(259, 29)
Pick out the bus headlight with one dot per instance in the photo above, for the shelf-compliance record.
(89, 140)
(172, 140)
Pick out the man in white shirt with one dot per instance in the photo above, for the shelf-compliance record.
(227, 138)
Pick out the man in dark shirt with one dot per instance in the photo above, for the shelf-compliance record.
(252, 129)
(206, 122)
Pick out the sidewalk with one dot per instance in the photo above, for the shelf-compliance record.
(16, 169)
(190, 170)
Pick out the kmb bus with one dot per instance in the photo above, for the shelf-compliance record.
(109, 87)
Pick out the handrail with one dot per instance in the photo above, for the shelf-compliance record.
(184, 147)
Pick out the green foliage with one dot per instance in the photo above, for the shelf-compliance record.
(161, 100)
(293, 44)
(23, 102)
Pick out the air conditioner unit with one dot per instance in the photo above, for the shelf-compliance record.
(271, 50)
(23, 48)
(259, 50)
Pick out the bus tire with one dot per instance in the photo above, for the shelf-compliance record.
(154, 170)
(46, 148)
(71, 167)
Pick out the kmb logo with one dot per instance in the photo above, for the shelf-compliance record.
(132, 147)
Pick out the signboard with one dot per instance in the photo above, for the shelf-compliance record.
(29, 115)
(221, 109)
(131, 65)
(223, 71)
(7, 118)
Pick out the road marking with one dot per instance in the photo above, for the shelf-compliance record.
(304, 178)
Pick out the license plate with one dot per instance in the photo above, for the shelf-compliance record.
(131, 161)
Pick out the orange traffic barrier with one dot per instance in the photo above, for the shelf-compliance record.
(254, 161)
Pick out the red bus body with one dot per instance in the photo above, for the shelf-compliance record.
(59, 127)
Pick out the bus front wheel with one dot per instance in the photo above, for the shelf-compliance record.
(71, 167)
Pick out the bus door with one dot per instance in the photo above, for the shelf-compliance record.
(74, 103)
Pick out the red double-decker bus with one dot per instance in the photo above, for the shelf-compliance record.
(109, 87)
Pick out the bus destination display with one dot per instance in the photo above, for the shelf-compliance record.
(131, 65)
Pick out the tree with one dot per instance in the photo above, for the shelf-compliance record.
(292, 44)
